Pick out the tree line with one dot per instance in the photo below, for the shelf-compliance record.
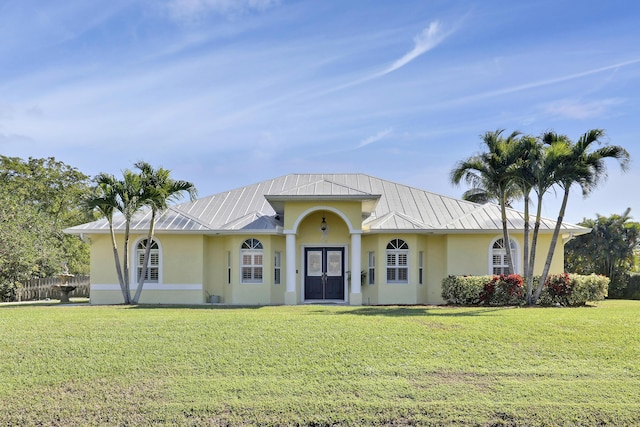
(526, 167)
(38, 199)
(611, 249)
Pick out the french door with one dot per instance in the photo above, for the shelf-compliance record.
(324, 273)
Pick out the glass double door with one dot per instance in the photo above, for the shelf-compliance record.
(324, 274)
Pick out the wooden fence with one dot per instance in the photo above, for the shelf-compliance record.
(41, 289)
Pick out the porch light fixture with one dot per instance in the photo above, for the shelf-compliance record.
(323, 224)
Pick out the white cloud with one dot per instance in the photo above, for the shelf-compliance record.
(576, 109)
(426, 40)
(429, 38)
(375, 138)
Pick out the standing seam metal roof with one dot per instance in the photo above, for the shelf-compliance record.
(400, 207)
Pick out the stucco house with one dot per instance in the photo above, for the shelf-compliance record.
(313, 238)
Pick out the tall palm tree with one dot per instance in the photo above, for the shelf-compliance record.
(524, 176)
(554, 149)
(131, 199)
(585, 167)
(493, 171)
(104, 201)
(158, 189)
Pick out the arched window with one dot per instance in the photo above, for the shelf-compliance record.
(397, 261)
(498, 263)
(251, 255)
(153, 266)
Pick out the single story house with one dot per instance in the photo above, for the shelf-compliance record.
(313, 238)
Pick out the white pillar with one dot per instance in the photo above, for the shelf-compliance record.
(290, 294)
(355, 298)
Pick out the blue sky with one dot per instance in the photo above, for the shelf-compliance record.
(225, 93)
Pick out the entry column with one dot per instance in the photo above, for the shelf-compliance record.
(290, 297)
(355, 296)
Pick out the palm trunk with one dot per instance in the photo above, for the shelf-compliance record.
(126, 263)
(552, 246)
(145, 262)
(526, 236)
(532, 254)
(505, 236)
(116, 257)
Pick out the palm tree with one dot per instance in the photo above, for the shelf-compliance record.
(104, 201)
(524, 176)
(554, 148)
(582, 166)
(493, 171)
(131, 200)
(158, 189)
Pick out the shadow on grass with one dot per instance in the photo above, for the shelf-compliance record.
(47, 303)
(192, 307)
(411, 311)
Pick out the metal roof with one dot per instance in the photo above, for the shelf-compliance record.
(388, 207)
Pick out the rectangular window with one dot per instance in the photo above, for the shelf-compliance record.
(153, 267)
(372, 268)
(500, 265)
(420, 266)
(397, 266)
(228, 268)
(251, 266)
(277, 260)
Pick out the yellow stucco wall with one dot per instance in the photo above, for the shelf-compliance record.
(468, 254)
(194, 267)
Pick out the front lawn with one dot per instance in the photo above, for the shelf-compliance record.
(320, 365)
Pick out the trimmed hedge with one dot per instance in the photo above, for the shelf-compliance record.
(560, 289)
(463, 290)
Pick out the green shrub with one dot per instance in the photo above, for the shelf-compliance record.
(593, 287)
(573, 289)
(503, 290)
(7, 291)
(633, 286)
(463, 290)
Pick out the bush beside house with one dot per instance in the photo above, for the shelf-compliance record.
(564, 289)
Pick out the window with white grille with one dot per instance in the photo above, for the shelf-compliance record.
(498, 257)
(153, 266)
(397, 261)
(251, 255)
(372, 268)
(277, 261)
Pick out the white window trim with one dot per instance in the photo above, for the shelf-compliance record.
(133, 273)
(407, 267)
(516, 258)
(421, 267)
(277, 268)
(371, 268)
(251, 252)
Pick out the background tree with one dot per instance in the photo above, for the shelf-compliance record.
(38, 199)
(608, 250)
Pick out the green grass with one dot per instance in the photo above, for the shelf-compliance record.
(320, 365)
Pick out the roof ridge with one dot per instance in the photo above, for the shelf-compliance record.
(321, 180)
(188, 216)
(465, 215)
(384, 218)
